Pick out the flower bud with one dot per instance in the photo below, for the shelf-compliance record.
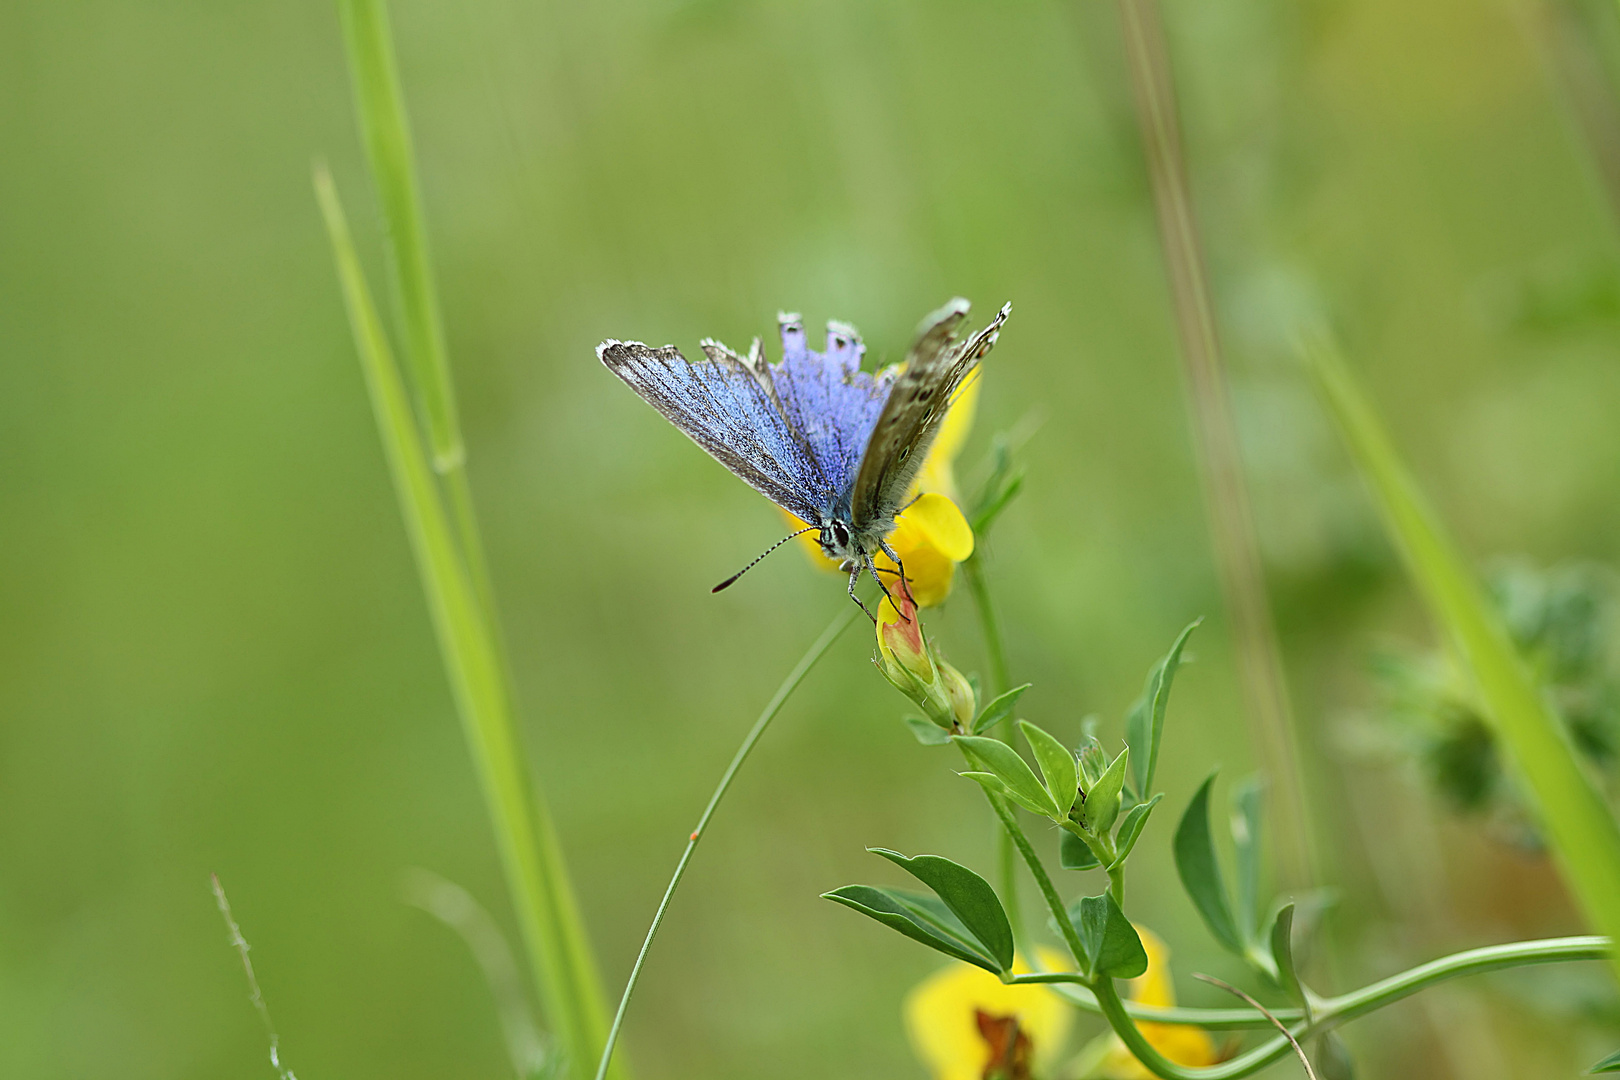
(964, 704)
(900, 640)
(906, 660)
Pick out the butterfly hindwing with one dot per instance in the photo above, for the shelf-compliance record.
(922, 394)
(727, 404)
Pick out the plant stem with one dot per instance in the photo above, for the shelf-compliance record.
(995, 650)
(796, 676)
(1330, 1013)
(1226, 494)
(996, 656)
(1060, 914)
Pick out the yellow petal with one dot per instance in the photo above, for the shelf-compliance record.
(942, 525)
(936, 474)
(940, 1017)
(1153, 986)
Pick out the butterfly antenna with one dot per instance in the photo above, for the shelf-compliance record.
(791, 536)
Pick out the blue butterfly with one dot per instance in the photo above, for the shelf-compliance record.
(837, 447)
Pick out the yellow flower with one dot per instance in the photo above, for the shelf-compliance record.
(1181, 1043)
(966, 1024)
(931, 536)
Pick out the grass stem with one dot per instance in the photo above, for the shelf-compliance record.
(530, 853)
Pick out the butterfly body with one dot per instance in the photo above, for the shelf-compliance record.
(837, 447)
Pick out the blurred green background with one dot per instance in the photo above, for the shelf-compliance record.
(216, 656)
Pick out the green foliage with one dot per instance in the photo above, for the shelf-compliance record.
(1059, 772)
(1130, 829)
(1101, 806)
(1608, 1064)
(912, 915)
(998, 710)
(1246, 832)
(1144, 726)
(1007, 773)
(1581, 828)
(966, 921)
(1282, 954)
(1003, 481)
(926, 731)
(1333, 1060)
(1563, 621)
(1200, 870)
(1112, 947)
(1075, 854)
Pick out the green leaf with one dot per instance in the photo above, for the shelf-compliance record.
(1075, 854)
(997, 711)
(1201, 872)
(926, 731)
(1580, 827)
(931, 910)
(1131, 828)
(968, 896)
(892, 912)
(1111, 942)
(1101, 806)
(992, 783)
(1057, 764)
(1282, 953)
(1246, 823)
(1608, 1064)
(1144, 727)
(1002, 761)
(1333, 1060)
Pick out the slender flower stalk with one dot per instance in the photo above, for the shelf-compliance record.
(774, 706)
(1237, 551)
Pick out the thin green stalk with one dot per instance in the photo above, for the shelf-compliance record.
(1583, 833)
(1346, 1006)
(1330, 1013)
(1000, 682)
(1226, 494)
(791, 683)
(524, 833)
(995, 650)
(1060, 914)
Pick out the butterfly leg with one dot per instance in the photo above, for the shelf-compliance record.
(905, 582)
(870, 565)
(854, 576)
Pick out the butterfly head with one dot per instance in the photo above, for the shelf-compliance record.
(837, 543)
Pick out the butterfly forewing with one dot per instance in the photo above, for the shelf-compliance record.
(911, 418)
(729, 409)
